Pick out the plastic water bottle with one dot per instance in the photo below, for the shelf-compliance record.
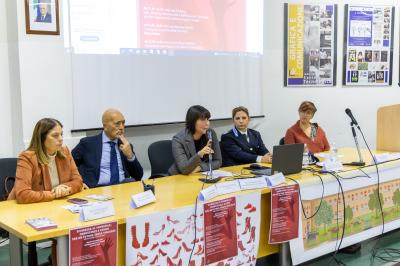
(306, 157)
(333, 156)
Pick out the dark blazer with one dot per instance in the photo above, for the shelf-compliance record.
(236, 150)
(46, 19)
(87, 156)
(186, 157)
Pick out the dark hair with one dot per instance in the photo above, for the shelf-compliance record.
(193, 114)
(239, 109)
(42, 128)
(307, 106)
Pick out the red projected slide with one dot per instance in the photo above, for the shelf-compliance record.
(212, 25)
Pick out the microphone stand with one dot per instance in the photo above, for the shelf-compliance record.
(360, 162)
(210, 173)
(210, 177)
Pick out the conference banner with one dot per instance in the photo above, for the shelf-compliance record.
(186, 236)
(220, 240)
(284, 214)
(369, 45)
(310, 45)
(94, 245)
(357, 210)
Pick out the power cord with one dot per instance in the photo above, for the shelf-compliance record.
(195, 224)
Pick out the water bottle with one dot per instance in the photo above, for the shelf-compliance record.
(333, 155)
(306, 157)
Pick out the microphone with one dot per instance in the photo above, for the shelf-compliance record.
(210, 178)
(350, 114)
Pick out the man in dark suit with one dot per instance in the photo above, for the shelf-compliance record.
(107, 158)
(242, 145)
(44, 16)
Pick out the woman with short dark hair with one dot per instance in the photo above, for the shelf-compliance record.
(46, 170)
(304, 131)
(191, 146)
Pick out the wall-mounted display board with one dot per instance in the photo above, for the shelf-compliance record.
(310, 45)
(368, 45)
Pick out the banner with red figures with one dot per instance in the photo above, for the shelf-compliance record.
(284, 224)
(168, 238)
(94, 245)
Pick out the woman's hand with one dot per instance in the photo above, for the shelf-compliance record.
(196, 170)
(61, 191)
(206, 150)
(267, 158)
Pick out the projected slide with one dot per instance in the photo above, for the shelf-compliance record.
(193, 25)
(157, 26)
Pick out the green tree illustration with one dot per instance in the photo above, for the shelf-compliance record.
(373, 203)
(349, 213)
(324, 215)
(396, 198)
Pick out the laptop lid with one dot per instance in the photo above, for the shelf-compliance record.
(288, 158)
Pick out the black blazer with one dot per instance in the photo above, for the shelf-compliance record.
(87, 156)
(236, 150)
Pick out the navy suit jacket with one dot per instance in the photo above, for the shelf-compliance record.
(87, 156)
(47, 18)
(236, 150)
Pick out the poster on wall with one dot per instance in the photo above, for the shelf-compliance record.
(310, 45)
(223, 232)
(368, 57)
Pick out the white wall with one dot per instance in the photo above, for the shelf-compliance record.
(5, 109)
(45, 89)
(10, 97)
(281, 103)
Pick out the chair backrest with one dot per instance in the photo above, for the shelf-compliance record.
(8, 166)
(160, 156)
(388, 128)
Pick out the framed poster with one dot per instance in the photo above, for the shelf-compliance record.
(310, 45)
(42, 17)
(368, 45)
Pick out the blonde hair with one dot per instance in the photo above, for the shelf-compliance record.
(40, 132)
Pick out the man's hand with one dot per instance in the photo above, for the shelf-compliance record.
(125, 147)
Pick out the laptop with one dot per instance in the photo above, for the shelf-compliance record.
(287, 159)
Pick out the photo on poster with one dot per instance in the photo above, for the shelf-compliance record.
(376, 56)
(371, 76)
(354, 76)
(369, 34)
(380, 75)
(352, 55)
(363, 66)
(310, 45)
